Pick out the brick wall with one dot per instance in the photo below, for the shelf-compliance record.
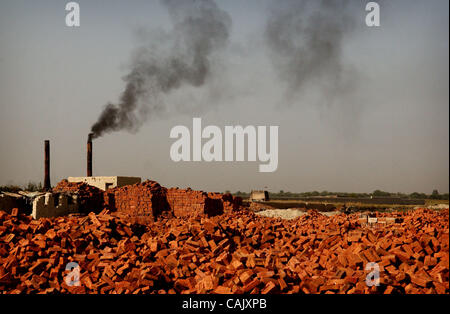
(149, 200)
(144, 201)
(185, 203)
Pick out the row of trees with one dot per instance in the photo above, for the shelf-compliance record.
(377, 193)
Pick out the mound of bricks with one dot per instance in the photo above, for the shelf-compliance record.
(236, 252)
(90, 198)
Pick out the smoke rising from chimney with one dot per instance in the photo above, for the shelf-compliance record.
(305, 41)
(200, 29)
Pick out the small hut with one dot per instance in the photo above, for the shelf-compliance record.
(259, 196)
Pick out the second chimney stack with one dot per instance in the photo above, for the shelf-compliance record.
(89, 155)
(47, 185)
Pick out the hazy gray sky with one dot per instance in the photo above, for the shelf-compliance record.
(391, 134)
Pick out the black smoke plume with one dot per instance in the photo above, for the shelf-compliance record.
(200, 29)
(305, 41)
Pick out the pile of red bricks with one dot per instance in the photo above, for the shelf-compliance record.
(236, 252)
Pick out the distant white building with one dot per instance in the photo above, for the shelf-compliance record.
(105, 183)
(259, 196)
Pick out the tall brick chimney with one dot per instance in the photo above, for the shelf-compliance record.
(47, 185)
(89, 156)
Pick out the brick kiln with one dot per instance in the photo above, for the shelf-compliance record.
(148, 200)
(141, 201)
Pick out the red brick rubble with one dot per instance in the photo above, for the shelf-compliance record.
(236, 252)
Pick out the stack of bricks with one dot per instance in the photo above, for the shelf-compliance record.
(189, 203)
(150, 200)
(237, 252)
(143, 202)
